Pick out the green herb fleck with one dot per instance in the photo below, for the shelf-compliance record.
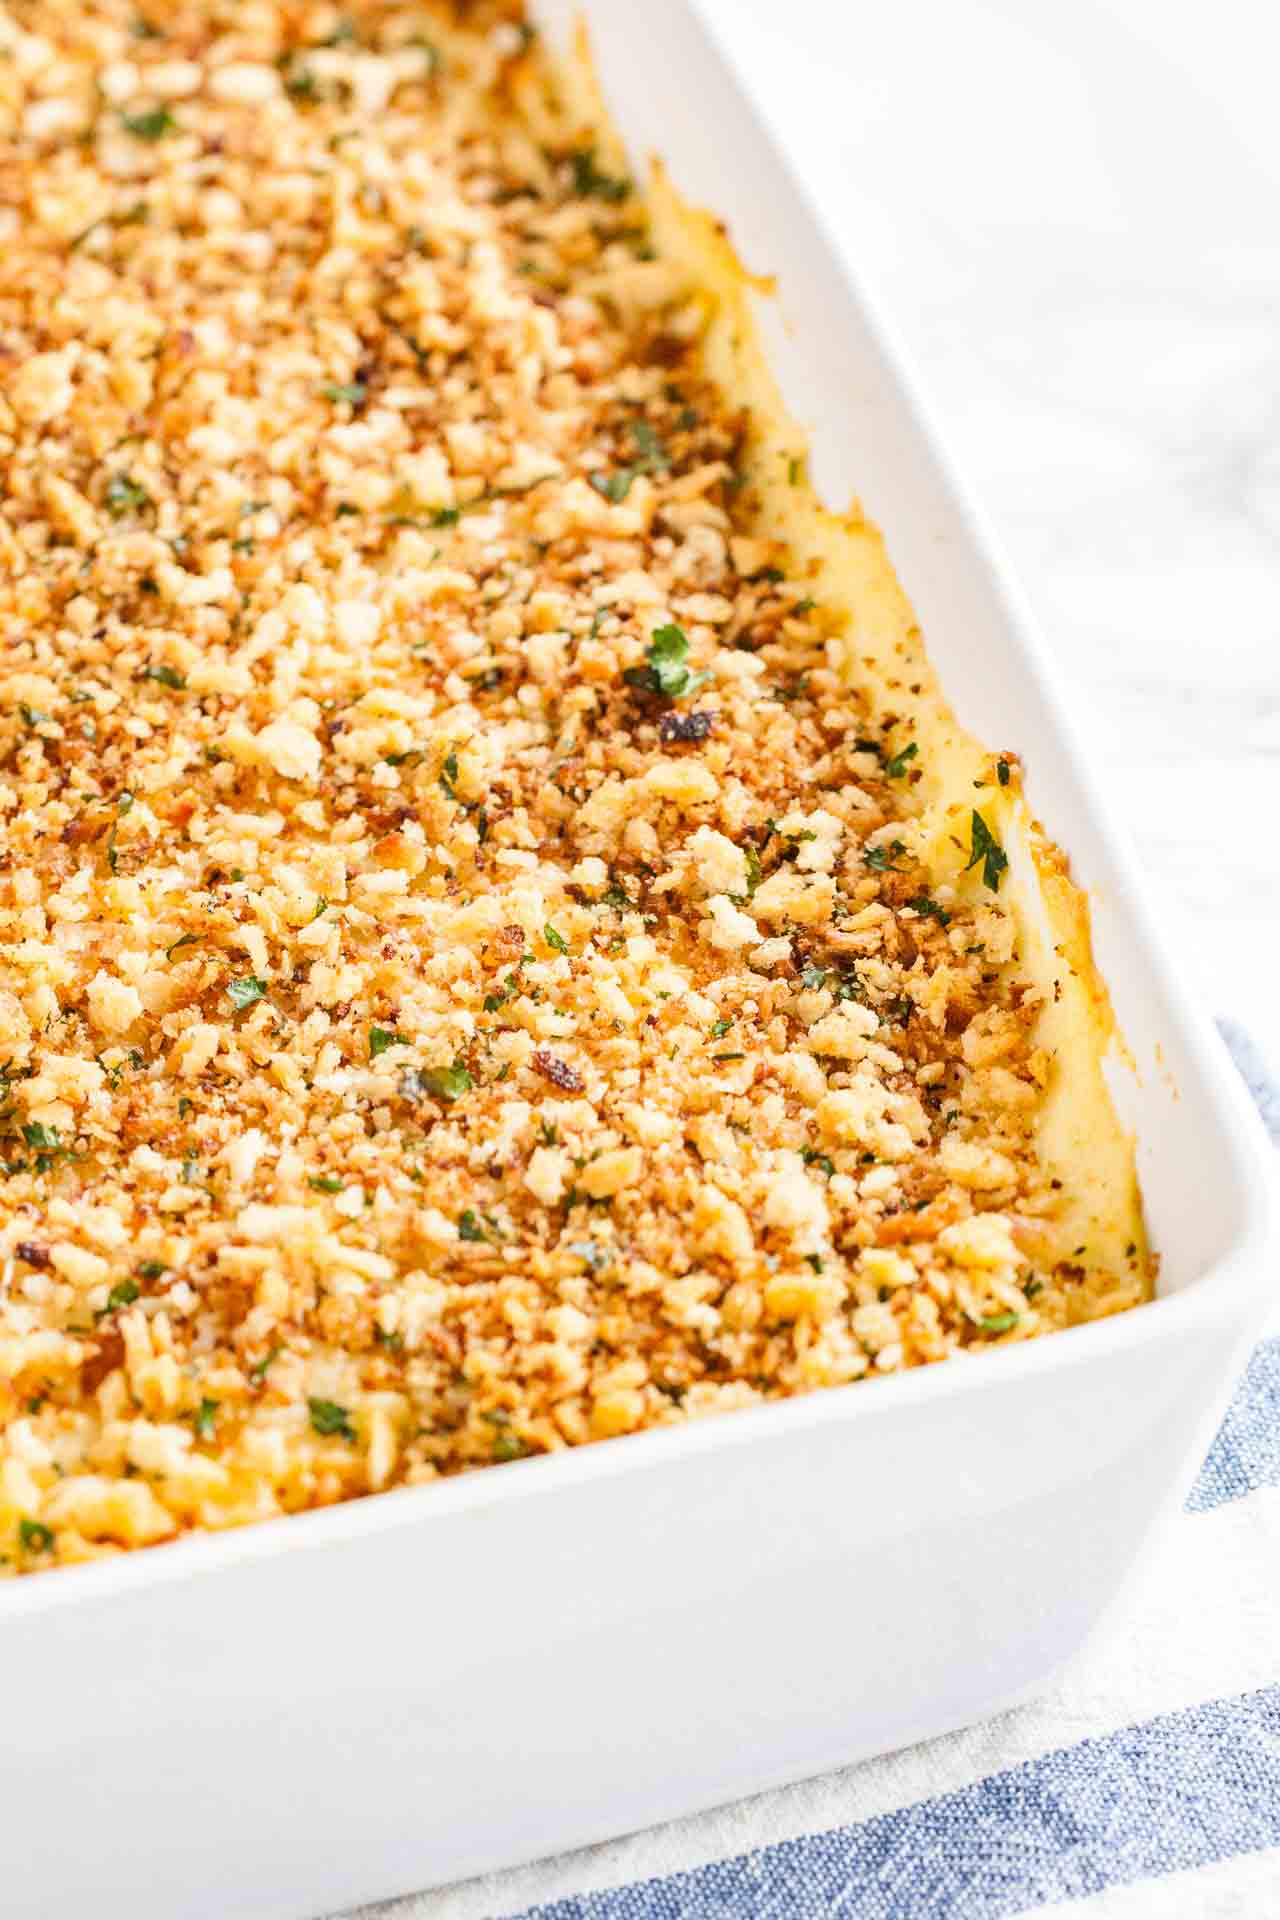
(35, 1536)
(352, 393)
(244, 992)
(896, 765)
(590, 183)
(651, 450)
(152, 125)
(123, 1294)
(260, 1370)
(326, 1182)
(998, 1322)
(667, 673)
(883, 859)
(124, 495)
(721, 1027)
(447, 1083)
(380, 1038)
(614, 487)
(556, 941)
(986, 848)
(328, 1418)
(508, 1446)
(204, 1418)
(301, 84)
(167, 677)
(922, 904)
(152, 1269)
(186, 940)
(1002, 772)
(469, 1227)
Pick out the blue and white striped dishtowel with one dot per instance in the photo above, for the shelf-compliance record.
(1146, 1783)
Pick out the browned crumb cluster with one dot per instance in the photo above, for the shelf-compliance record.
(466, 983)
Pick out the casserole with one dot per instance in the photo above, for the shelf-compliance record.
(742, 1532)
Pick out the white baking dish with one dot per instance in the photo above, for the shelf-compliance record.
(316, 1712)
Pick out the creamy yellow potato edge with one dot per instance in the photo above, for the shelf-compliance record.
(1078, 1134)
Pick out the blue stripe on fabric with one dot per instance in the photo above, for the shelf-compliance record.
(1256, 1071)
(1246, 1452)
(1180, 1791)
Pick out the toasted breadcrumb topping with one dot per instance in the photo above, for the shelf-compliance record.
(469, 984)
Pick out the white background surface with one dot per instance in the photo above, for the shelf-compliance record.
(1071, 217)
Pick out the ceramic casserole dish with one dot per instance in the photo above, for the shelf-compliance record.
(311, 1713)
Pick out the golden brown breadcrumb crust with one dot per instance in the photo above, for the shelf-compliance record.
(467, 983)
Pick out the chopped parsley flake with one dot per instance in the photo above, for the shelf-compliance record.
(984, 847)
(259, 1371)
(897, 764)
(667, 674)
(613, 487)
(351, 393)
(244, 992)
(152, 125)
(380, 1038)
(328, 1418)
(882, 859)
(447, 1083)
(922, 904)
(589, 183)
(124, 495)
(556, 941)
(35, 1536)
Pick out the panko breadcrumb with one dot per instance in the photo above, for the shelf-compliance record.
(469, 980)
